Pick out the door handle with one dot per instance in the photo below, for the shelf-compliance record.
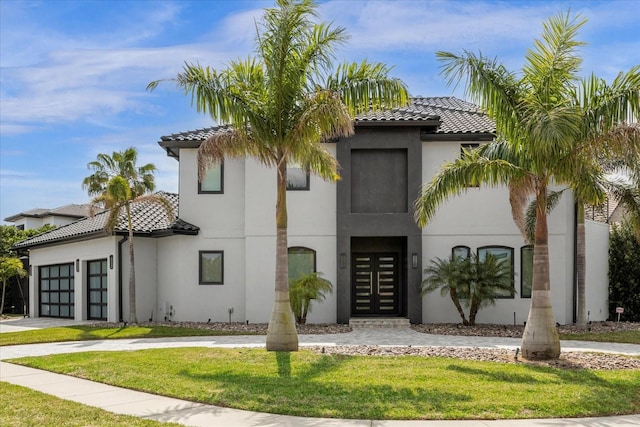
(371, 283)
(378, 283)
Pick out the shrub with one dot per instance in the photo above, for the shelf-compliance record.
(624, 273)
(305, 289)
(468, 281)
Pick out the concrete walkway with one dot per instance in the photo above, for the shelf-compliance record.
(123, 401)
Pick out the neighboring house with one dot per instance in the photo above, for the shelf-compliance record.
(18, 289)
(36, 218)
(359, 232)
(610, 212)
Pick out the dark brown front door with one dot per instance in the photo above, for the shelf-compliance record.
(375, 284)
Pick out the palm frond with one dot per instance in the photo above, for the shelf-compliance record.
(552, 67)
(454, 178)
(367, 86)
(489, 84)
(553, 198)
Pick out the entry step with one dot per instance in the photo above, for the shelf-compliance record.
(379, 322)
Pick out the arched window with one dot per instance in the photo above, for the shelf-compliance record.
(461, 252)
(501, 253)
(301, 261)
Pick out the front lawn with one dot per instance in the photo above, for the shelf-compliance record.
(362, 387)
(630, 337)
(23, 407)
(83, 333)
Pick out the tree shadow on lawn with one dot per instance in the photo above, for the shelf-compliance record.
(598, 395)
(290, 391)
(89, 333)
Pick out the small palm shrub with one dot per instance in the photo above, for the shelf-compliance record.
(305, 289)
(470, 282)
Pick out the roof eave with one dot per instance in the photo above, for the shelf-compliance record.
(63, 240)
(462, 136)
(396, 123)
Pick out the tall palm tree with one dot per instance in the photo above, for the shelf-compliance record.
(605, 138)
(281, 104)
(609, 144)
(117, 183)
(537, 124)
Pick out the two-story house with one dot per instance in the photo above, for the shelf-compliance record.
(217, 261)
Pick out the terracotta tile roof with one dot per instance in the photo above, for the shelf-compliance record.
(148, 219)
(453, 115)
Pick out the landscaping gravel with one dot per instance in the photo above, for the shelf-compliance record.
(567, 360)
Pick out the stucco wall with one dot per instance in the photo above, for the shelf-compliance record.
(241, 222)
(482, 217)
(145, 255)
(84, 251)
(597, 270)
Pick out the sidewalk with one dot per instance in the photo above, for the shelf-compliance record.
(123, 401)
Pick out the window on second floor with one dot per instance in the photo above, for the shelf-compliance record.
(213, 181)
(298, 178)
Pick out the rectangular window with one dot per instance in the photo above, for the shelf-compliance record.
(526, 271)
(211, 267)
(297, 178)
(502, 253)
(213, 180)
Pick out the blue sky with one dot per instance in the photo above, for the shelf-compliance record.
(73, 73)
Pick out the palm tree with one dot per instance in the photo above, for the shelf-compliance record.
(281, 105)
(469, 281)
(604, 138)
(451, 276)
(537, 124)
(117, 184)
(305, 289)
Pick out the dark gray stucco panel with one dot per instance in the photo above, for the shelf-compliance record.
(396, 225)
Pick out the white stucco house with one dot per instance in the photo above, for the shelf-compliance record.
(217, 260)
(39, 217)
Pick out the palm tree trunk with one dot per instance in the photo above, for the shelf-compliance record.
(540, 339)
(581, 321)
(133, 317)
(282, 334)
(473, 311)
(453, 293)
(4, 288)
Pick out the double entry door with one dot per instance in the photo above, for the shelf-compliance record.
(375, 284)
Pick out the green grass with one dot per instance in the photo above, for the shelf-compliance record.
(23, 407)
(630, 337)
(308, 384)
(83, 333)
